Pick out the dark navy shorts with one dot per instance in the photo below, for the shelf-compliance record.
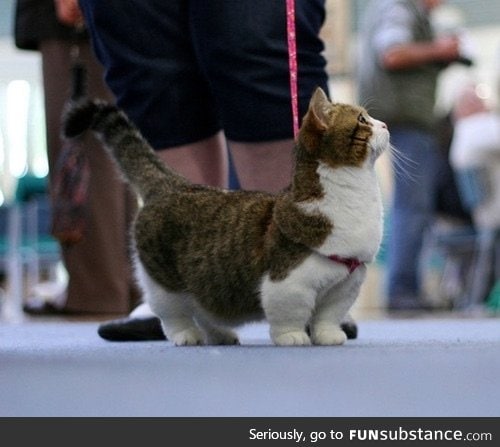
(185, 69)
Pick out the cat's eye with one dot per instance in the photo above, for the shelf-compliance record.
(362, 119)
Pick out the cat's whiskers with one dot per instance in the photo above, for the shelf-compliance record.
(366, 104)
(402, 164)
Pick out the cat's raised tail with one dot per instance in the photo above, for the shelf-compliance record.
(135, 157)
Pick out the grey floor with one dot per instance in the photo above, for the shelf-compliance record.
(432, 367)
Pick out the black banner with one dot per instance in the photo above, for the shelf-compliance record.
(256, 432)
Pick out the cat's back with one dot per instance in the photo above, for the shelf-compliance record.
(205, 223)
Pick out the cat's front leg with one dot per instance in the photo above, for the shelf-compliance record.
(328, 335)
(289, 336)
(332, 308)
(288, 307)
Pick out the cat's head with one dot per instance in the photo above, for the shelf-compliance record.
(341, 134)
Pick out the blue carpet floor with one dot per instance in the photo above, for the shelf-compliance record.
(433, 367)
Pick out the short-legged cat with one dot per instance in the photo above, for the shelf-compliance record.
(209, 259)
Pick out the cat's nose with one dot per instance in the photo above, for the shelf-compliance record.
(383, 125)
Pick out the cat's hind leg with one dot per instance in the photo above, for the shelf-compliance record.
(177, 321)
(175, 311)
(215, 334)
(332, 309)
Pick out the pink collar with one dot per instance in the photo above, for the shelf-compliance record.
(351, 263)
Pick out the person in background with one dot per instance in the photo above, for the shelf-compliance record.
(399, 61)
(99, 273)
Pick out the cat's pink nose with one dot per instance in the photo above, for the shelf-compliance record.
(384, 126)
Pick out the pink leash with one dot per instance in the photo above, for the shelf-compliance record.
(292, 63)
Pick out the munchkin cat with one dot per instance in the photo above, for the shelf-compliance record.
(209, 259)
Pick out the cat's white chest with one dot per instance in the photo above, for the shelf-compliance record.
(353, 204)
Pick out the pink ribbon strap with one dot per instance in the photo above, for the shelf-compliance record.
(292, 63)
(351, 263)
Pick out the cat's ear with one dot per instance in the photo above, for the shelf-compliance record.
(315, 122)
(319, 108)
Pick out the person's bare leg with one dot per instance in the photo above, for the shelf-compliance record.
(203, 162)
(263, 166)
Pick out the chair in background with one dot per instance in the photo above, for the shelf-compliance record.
(470, 254)
(28, 252)
(459, 251)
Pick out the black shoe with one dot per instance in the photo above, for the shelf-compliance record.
(132, 329)
(351, 329)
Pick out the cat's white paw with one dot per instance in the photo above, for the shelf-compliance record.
(292, 338)
(329, 336)
(187, 337)
(223, 337)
